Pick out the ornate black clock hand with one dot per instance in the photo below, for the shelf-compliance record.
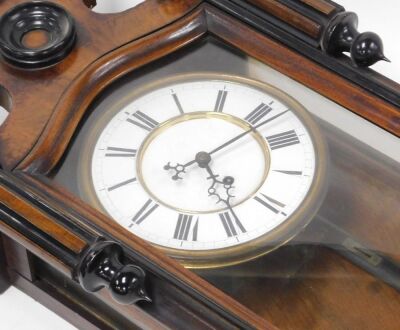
(180, 168)
(203, 159)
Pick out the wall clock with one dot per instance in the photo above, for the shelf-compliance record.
(214, 162)
(183, 155)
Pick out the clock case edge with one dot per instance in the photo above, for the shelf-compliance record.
(208, 19)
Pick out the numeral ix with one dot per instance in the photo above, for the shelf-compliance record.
(121, 152)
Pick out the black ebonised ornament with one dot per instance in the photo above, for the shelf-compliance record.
(101, 267)
(342, 36)
(51, 24)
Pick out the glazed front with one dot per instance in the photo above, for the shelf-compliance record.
(198, 143)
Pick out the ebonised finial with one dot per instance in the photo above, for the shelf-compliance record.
(36, 34)
(342, 36)
(101, 267)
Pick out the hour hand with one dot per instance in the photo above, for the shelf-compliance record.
(178, 169)
(202, 159)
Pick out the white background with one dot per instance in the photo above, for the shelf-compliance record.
(18, 311)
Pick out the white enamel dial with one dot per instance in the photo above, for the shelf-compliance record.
(139, 155)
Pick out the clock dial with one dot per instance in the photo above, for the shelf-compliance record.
(206, 163)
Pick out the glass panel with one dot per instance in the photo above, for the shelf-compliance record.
(273, 193)
(5, 104)
(108, 7)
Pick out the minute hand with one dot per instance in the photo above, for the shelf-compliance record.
(246, 132)
(240, 136)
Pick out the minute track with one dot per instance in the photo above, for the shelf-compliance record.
(183, 216)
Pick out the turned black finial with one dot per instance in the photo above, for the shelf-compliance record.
(36, 34)
(342, 36)
(101, 267)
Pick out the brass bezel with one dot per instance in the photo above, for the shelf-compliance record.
(192, 116)
(205, 259)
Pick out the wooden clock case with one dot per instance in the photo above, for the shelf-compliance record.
(52, 242)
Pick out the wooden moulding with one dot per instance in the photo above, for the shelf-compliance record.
(290, 16)
(97, 77)
(82, 91)
(97, 34)
(42, 221)
(322, 6)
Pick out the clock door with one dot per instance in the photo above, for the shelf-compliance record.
(209, 167)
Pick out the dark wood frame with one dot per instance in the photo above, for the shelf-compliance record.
(68, 227)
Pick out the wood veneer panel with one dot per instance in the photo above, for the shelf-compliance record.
(97, 77)
(288, 15)
(35, 93)
(364, 194)
(326, 292)
(320, 5)
(42, 221)
(153, 255)
(307, 72)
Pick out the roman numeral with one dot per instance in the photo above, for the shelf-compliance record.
(221, 98)
(270, 203)
(258, 113)
(289, 172)
(232, 228)
(178, 103)
(121, 152)
(143, 121)
(144, 212)
(183, 228)
(282, 140)
(121, 184)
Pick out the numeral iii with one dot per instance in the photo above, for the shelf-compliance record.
(283, 140)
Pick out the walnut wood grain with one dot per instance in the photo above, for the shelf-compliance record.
(369, 210)
(56, 99)
(101, 74)
(97, 34)
(34, 248)
(321, 5)
(325, 292)
(41, 221)
(290, 16)
(301, 69)
(155, 256)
